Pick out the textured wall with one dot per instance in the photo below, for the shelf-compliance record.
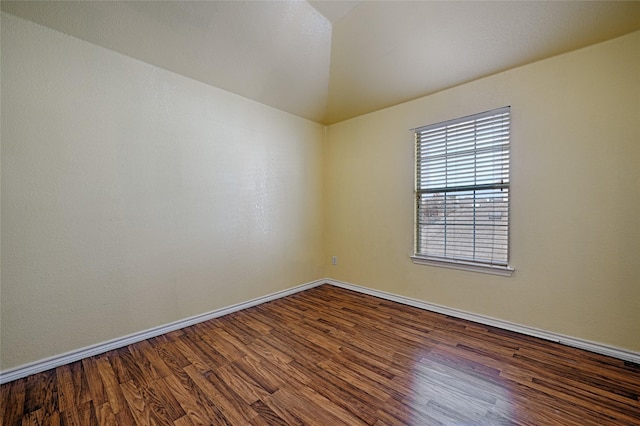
(133, 197)
(575, 232)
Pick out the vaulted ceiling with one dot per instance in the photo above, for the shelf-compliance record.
(333, 60)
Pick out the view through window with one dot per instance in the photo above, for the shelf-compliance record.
(462, 189)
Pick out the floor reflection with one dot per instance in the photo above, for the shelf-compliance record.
(448, 389)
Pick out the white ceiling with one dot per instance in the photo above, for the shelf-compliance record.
(333, 60)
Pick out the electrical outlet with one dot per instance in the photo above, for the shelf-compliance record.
(334, 260)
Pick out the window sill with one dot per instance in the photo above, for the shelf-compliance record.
(504, 271)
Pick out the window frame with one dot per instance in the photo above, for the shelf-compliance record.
(418, 257)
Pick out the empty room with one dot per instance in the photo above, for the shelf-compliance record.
(320, 212)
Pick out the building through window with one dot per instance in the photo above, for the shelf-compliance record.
(462, 190)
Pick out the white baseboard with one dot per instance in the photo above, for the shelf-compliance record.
(76, 355)
(575, 342)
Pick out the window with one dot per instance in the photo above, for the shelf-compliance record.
(462, 193)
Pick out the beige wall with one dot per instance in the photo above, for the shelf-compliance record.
(133, 197)
(575, 209)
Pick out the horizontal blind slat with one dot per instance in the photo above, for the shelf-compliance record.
(462, 188)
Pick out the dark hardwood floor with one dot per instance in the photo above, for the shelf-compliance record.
(329, 356)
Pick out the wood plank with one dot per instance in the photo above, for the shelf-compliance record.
(105, 415)
(137, 404)
(241, 383)
(34, 418)
(152, 403)
(192, 352)
(332, 356)
(111, 385)
(199, 408)
(41, 393)
(207, 356)
(172, 358)
(87, 414)
(265, 377)
(117, 359)
(157, 363)
(66, 394)
(348, 396)
(295, 408)
(266, 416)
(13, 404)
(183, 421)
(228, 405)
(94, 381)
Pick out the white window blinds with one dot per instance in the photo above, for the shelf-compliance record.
(462, 189)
